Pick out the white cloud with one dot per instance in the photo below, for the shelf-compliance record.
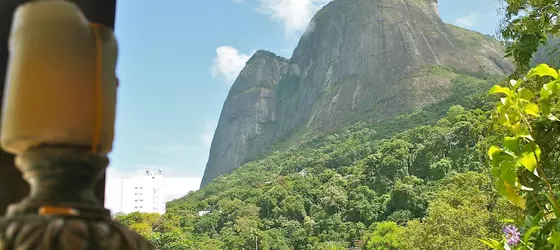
(113, 190)
(208, 135)
(177, 187)
(228, 63)
(293, 14)
(295, 17)
(469, 20)
(174, 187)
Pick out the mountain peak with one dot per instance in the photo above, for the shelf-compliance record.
(267, 53)
(359, 60)
(434, 5)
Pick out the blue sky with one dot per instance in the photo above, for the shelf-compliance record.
(178, 59)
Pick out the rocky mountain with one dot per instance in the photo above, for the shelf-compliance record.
(548, 53)
(359, 60)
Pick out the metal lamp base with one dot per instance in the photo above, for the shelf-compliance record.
(61, 211)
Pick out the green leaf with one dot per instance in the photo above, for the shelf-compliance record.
(545, 106)
(534, 149)
(511, 143)
(526, 94)
(555, 207)
(508, 174)
(515, 198)
(500, 187)
(499, 158)
(543, 70)
(512, 82)
(513, 116)
(552, 87)
(503, 120)
(532, 109)
(545, 93)
(516, 128)
(528, 161)
(493, 151)
(554, 239)
(525, 134)
(502, 110)
(515, 84)
(529, 221)
(499, 89)
(495, 171)
(537, 219)
(530, 232)
(507, 221)
(504, 102)
(494, 244)
(553, 118)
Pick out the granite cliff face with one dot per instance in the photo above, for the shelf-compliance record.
(358, 60)
(548, 53)
(247, 124)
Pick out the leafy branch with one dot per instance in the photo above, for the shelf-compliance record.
(518, 110)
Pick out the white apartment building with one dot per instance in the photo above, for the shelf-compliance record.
(143, 193)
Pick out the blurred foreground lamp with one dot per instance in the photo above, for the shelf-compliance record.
(58, 119)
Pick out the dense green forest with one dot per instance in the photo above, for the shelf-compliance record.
(421, 176)
(427, 187)
(478, 170)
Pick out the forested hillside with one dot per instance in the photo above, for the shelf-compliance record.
(427, 187)
(365, 185)
(476, 170)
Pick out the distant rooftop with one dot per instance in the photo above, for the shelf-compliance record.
(152, 173)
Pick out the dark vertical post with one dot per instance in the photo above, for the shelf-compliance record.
(12, 185)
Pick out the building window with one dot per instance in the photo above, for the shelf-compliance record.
(135, 187)
(141, 207)
(141, 187)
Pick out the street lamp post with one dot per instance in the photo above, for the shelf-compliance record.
(58, 121)
(12, 185)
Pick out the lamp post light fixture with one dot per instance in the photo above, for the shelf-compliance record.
(58, 120)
